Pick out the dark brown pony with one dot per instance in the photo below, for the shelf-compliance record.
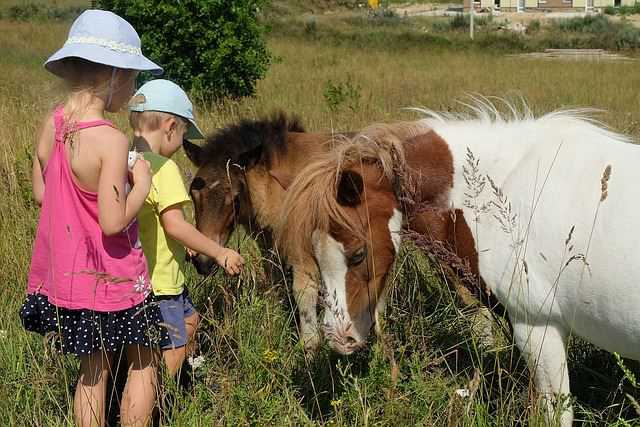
(243, 173)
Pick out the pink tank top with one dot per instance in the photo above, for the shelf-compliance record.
(73, 262)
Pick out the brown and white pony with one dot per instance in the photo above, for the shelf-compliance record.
(543, 210)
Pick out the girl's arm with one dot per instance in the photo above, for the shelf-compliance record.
(116, 209)
(176, 226)
(37, 182)
(43, 152)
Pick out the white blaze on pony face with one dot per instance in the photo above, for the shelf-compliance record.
(329, 255)
(347, 292)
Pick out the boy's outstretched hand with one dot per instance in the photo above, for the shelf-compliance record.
(230, 260)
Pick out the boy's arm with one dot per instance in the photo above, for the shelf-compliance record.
(174, 224)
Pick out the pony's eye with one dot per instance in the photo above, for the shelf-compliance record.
(357, 257)
(197, 184)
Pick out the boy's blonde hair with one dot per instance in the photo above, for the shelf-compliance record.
(151, 120)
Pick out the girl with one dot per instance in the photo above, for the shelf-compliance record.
(88, 281)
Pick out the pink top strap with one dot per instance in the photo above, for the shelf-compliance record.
(63, 128)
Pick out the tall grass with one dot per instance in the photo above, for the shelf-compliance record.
(254, 370)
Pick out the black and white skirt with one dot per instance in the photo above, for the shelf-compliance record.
(84, 331)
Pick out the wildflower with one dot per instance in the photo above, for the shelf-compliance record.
(270, 356)
(3, 334)
(196, 362)
(336, 403)
(463, 392)
(141, 285)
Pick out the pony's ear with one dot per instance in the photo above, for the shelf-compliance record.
(194, 152)
(250, 158)
(350, 188)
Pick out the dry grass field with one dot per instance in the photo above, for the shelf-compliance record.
(254, 373)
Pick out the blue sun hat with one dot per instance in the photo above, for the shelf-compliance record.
(167, 97)
(105, 38)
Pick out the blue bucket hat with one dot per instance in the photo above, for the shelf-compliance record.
(167, 97)
(105, 38)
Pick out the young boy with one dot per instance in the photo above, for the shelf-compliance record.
(161, 116)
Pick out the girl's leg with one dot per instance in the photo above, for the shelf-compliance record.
(174, 357)
(89, 401)
(139, 396)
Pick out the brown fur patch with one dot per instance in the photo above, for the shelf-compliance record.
(429, 172)
(427, 187)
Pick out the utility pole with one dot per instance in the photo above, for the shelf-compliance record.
(472, 7)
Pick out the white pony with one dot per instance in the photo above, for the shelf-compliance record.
(552, 205)
(560, 248)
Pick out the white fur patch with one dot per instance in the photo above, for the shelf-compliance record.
(329, 254)
(395, 226)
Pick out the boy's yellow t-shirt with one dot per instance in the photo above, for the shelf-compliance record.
(165, 256)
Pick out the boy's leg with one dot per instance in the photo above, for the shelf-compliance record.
(139, 396)
(174, 357)
(89, 400)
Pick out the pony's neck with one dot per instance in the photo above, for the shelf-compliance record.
(267, 184)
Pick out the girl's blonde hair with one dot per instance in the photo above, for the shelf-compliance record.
(85, 80)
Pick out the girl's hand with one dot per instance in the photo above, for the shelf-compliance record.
(230, 260)
(141, 173)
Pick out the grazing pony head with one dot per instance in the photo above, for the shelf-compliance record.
(219, 189)
(343, 210)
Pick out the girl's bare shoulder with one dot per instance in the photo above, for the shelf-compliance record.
(107, 138)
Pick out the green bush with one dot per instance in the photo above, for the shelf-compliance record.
(214, 48)
(594, 24)
(597, 32)
(338, 94)
(623, 10)
(628, 37)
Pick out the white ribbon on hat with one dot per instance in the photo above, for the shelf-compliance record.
(109, 44)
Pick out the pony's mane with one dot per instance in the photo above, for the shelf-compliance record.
(311, 201)
(237, 139)
(487, 110)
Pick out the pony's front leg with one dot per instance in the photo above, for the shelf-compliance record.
(305, 292)
(545, 348)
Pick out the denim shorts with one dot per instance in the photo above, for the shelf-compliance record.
(175, 309)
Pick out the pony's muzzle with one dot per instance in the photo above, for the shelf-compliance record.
(344, 340)
(203, 264)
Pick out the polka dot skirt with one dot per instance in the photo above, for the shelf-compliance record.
(84, 331)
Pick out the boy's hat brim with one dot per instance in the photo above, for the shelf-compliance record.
(100, 55)
(193, 131)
